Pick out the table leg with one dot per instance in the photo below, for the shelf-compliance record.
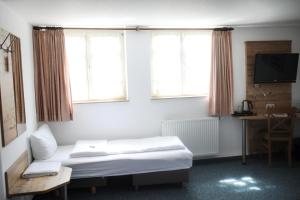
(65, 192)
(244, 142)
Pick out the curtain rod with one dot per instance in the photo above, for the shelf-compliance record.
(46, 28)
(137, 28)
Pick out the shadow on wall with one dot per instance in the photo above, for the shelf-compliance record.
(2, 189)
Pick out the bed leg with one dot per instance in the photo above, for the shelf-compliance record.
(65, 192)
(136, 188)
(57, 193)
(93, 190)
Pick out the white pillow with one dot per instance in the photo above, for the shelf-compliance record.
(43, 144)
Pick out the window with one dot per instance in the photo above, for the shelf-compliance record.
(97, 65)
(180, 63)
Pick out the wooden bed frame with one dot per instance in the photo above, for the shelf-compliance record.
(153, 178)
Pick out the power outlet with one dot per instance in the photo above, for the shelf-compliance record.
(270, 105)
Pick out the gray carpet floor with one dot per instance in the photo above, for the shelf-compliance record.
(210, 180)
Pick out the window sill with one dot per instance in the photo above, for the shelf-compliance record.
(178, 97)
(100, 101)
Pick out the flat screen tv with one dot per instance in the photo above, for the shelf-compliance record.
(275, 68)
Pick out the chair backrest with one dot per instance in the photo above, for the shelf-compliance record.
(281, 120)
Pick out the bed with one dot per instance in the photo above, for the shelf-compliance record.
(122, 164)
(154, 167)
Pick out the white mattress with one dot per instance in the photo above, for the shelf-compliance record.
(123, 164)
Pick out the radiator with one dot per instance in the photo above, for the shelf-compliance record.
(201, 135)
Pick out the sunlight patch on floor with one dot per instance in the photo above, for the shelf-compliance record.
(242, 184)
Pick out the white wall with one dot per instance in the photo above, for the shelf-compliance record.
(252, 34)
(141, 116)
(255, 34)
(11, 22)
(230, 135)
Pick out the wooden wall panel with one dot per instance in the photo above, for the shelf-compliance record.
(14, 173)
(260, 95)
(7, 103)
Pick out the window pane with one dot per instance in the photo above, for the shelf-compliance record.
(76, 55)
(181, 63)
(196, 63)
(166, 69)
(107, 77)
(97, 67)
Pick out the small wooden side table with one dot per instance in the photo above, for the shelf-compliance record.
(18, 186)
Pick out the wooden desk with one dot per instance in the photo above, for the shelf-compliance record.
(244, 132)
(17, 186)
(245, 119)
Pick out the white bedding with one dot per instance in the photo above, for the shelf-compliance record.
(89, 148)
(123, 164)
(37, 169)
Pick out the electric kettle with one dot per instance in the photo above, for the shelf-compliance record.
(247, 106)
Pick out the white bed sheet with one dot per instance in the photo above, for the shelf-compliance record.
(122, 164)
(141, 145)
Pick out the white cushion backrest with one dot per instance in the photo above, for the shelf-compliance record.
(43, 143)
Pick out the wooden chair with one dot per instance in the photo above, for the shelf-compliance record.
(280, 129)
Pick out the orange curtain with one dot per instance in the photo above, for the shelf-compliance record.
(52, 83)
(221, 81)
(18, 79)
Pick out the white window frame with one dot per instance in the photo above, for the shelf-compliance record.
(86, 34)
(180, 33)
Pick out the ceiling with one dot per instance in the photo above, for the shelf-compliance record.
(167, 13)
